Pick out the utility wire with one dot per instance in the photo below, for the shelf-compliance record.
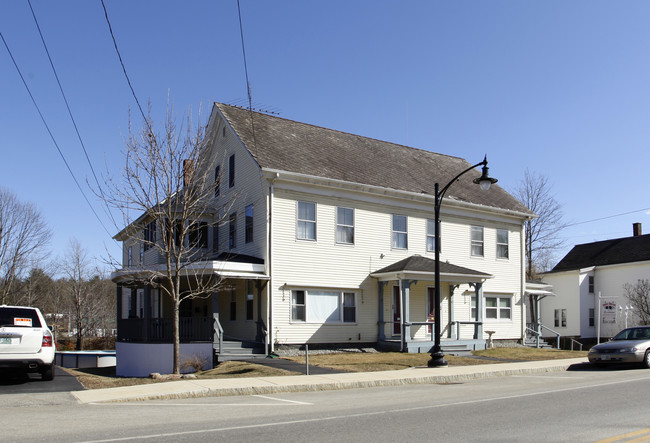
(74, 123)
(51, 135)
(609, 216)
(128, 80)
(248, 85)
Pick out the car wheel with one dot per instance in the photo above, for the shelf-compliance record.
(48, 373)
(646, 359)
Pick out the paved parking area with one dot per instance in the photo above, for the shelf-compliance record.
(32, 383)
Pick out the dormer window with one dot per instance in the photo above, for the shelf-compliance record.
(231, 171)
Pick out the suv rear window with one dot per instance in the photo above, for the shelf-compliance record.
(19, 317)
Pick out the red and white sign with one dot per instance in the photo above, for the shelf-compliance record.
(22, 321)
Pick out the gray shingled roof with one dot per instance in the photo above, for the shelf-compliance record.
(418, 263)
(606, 252)
(286, 145)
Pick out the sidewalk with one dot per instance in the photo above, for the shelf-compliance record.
(318, 382)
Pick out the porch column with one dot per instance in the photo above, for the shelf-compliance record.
(405, 290)
(119, 302)
(380, 317)
(261, 327)
(133, 307)
(478, 288)
(147, 312)
(451, 331)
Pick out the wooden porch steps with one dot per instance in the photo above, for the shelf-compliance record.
(239, 350)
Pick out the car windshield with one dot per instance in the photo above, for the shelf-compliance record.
(633, 334)
(19, 317)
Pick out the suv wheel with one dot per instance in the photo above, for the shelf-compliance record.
(48, 373)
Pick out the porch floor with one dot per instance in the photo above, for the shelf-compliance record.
(449, 346)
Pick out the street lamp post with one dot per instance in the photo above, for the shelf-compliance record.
(437, 357)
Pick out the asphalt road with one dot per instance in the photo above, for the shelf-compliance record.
(576, 406)
(33, 383)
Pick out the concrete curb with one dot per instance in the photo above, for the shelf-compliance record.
(325, 382)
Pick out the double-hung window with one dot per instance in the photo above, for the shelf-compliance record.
(217, 181)
(129, 259)
(232, 231)
(306, 221)
(502, 243)
(400, 232)
(198, 235)
(345, 225)
(249, 223)
(231, 171)
(498, 308)
(431, 236)
(477, 241)
(319, 306)
(149, 235)
(560, 318)
(592, 285)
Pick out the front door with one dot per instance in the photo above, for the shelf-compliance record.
(397, 297)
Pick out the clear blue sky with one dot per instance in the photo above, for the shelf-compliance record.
(561, 88)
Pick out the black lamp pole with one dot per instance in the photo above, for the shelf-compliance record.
(437, 357)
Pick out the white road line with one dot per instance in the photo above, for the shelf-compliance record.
(282, 399)
(544, 376)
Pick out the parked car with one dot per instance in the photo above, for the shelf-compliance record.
(26, 343)
(631, 345)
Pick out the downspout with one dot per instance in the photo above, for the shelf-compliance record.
(522, 289)
(269, 341)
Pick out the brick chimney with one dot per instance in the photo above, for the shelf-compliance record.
(636, 229)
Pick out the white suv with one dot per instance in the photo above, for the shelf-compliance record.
(26, 343)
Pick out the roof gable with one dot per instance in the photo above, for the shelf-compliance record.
(286, 145)
(606, 252)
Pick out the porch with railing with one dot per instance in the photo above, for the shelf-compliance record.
(160, 330)
(461, 336)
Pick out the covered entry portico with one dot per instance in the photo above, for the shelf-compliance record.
(406, 306)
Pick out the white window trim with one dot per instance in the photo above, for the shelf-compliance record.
(432, 235)
(498, 308)
(298, 220)
(507, 244)
(337, 224)
(393, 232)
(341, 296)
(471, 242)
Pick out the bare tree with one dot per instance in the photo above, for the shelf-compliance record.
(169, 182)
(23, 237)
(639, 297)
(86, 303)
(542, 233)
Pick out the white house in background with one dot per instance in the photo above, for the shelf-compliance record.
(331, 242)
(591, 270)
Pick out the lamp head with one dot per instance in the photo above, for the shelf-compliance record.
(485, 180)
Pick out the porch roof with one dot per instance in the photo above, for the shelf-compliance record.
(539, 288)
(222, 268)
(423, 268)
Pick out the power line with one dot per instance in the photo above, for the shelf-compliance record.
(128, 80)
(51, 135)
(609, 216)
(74, 123)
(248, 85)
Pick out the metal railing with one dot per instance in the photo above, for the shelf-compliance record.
(218, 334)
(537, 333)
